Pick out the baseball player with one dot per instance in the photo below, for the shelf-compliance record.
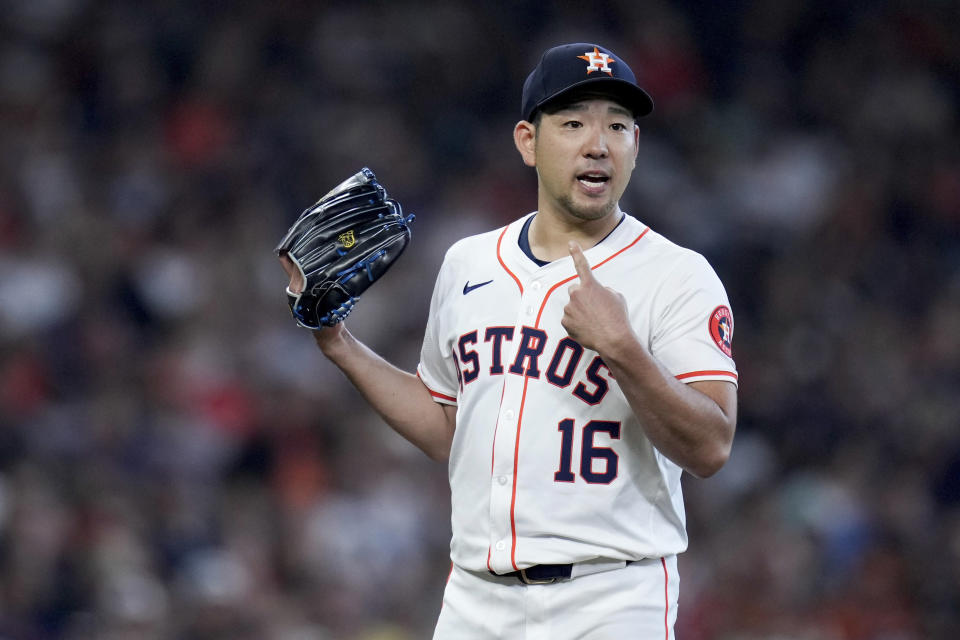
(574, 363)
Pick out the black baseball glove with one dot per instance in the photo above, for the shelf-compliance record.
(342, 245)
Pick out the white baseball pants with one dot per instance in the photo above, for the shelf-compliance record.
(636, 602)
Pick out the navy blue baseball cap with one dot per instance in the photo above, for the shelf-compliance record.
(582, 66)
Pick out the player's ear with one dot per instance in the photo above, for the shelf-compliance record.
(636, 146)
(525, 137)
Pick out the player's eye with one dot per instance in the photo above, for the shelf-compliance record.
(618, 126)
(573, 124)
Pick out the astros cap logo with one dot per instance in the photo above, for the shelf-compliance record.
(561, 70)
(597, 61)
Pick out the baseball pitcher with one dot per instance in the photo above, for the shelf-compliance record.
(574, 364)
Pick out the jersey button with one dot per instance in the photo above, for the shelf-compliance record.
(501, 545)
(529, 311)
(535, 286)
(508, 415)
(502, 479)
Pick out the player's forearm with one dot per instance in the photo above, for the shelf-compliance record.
(399, 397)
(684, 424)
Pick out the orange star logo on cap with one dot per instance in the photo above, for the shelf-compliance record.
(597, 61)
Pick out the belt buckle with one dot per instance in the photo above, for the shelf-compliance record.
(525, 580)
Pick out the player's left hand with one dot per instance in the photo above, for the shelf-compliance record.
(296, 278)
(596, 316)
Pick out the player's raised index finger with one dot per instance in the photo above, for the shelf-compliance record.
(580, 262)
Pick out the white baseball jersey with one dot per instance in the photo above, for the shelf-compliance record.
(548, 464)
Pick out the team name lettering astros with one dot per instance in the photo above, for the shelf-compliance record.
(530, 351)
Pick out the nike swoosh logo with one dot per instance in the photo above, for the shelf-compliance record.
(467, 288)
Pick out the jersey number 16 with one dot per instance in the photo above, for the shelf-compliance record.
(589, 453)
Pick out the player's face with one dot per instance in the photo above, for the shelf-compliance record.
(584, 155)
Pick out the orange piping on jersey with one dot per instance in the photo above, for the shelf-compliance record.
(496, 427)
(523, 397)
(562, 282)
(493, 448)
(714, 372)
(516, 460)
(442, 396)
(433, 393)
(500, 260)
(666, 597)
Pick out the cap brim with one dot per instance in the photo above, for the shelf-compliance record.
(626, 93)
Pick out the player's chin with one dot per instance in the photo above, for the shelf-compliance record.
(592, 209)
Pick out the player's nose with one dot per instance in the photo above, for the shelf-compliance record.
(595, 144)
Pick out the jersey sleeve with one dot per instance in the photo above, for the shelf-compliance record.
(438, 369)
(693, 337)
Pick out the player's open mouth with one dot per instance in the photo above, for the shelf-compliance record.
(593, 181)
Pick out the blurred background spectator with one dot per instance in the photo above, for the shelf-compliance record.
(176, 460)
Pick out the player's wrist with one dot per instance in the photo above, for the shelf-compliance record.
(331, 340)
(621, 345)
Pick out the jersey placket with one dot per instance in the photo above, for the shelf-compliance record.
(506, 462)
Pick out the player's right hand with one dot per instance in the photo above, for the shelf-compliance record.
(596, 316)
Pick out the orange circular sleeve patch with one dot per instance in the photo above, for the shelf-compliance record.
(721, 329)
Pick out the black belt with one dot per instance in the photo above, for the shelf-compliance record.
(541, 573)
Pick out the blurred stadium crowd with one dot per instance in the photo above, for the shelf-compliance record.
(177, 461)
